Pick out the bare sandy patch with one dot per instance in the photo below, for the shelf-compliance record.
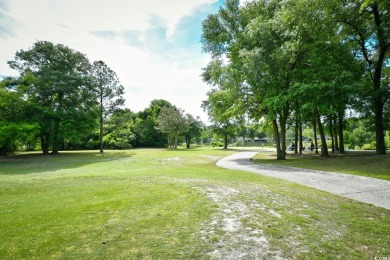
(229, 231)
(214, 158)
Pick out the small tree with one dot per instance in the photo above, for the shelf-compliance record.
(145, 126)
(172, 121)
(193, 128)
(109, 93)
(222, 114)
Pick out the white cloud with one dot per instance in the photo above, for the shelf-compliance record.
(152, 45)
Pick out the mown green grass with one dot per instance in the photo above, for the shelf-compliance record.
(362, 163)
(149, 204)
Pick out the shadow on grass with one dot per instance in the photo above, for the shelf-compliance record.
(363, 163)
(34, 162)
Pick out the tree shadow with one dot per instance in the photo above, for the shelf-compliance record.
(31, 163)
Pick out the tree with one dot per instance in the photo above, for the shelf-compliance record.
(194, 128)
(57, 84)
(146, 124)
(119, 134)
(271, 54)
(224, 105)
(221, 111)
(15, 127)
(109, 93)
(291, 58)
(172, 121)
(330, 77)
(367, 24)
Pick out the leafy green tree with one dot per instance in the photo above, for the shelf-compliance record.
(221, 111)
(172, 121)
(109, 93)
(359, 133)
(119, 129)
(15, 127)
(193, 129)
(367, 24)
(293, 61)
(225, 103)
(272, 52)
(145, 126)
(59, 88)
(221, 31)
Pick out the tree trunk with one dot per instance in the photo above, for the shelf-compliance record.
(335, 134)
(324, 146)
(378, 94)
(379, 127)
(101, 133)
(279, 155)
(56, 123)
(175, 144)
(225, 141)
(315, 136)
(283, 122)
(331, 132)
(300, 138)
(341, 132)
(45, 143)
(56, 133)
(296, 136)
(188, 140)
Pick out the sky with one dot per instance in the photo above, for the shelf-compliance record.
(152, 45)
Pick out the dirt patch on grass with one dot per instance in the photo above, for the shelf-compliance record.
(214, 158)
(232, 230)
(171, 159)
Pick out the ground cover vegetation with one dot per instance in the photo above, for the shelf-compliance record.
(173, 204)
(298, 63)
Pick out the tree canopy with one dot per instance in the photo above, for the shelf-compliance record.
(299, 60)
(55, 80)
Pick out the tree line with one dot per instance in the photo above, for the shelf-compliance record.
(61, 100)
(297, 63)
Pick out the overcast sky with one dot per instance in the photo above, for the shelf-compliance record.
(153, 45)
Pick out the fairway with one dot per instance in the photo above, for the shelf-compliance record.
(173, 204)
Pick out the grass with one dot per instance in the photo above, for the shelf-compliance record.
(362, 163)
(166, 204)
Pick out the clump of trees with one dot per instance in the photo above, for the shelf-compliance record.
(63, 101)
(299, 62)
(159, 125)
(173, 122)
(55, 95)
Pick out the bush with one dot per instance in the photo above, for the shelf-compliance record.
(92, 144)
(368, 147)
(217, 144)
(112, 142)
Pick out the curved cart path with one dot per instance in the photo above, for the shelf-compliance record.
(365, 189)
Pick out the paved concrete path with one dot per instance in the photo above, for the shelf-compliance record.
(365, 189)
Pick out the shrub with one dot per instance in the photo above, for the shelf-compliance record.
(370, 146)
(113, 142)
(217, 144)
